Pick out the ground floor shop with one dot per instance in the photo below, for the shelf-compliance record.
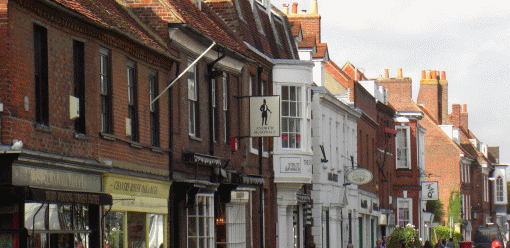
(46, 205)
(138, 216)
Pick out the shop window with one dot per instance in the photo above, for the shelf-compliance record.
(156, 227)
(200, 222)
(114, 229)
(57, 225)
(136, 229)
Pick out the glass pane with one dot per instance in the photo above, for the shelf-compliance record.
(298, 109)
(136, 229)
(292, 92)
(114, 229)
(36, 210)
(297, 125)
(298, 94)
(293, 109)
(285, 141)
(285, 93)
(192, 117)
(285, 109)
(156, 230)
(201, 226)
(292, 140)
(60, 217)
(192, 226)
(285, 124)
(292, 125)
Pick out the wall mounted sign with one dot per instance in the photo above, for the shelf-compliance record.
(264, 116)
(359, 176)
(429, 191)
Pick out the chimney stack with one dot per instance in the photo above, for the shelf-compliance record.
(313, 7)
(294, 8)
(443, 75)
(399, 75)
(464, 117)
(286, 8)
(423, 74)
(386, 73)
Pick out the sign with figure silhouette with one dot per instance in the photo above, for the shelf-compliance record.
(264, 116)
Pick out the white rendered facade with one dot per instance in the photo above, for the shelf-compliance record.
(292, 154)
(334, 131)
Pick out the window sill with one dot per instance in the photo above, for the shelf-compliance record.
(42, 128)
(136, 144)
(193, 137)
(157, 149)
(108, 136)
(80, 136)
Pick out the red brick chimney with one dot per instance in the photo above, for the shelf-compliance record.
(294, 8)
(286, 8)
(430, 97)
(443, 85)
(399, 89)
(153, 14)
(455, 121)
(464, 117)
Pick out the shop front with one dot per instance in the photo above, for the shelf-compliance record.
(50, 206)
(139, 213)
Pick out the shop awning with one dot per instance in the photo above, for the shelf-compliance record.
(33, 194)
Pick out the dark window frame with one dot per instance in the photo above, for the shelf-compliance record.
(154, 108)
(132, 84)
(41, 75)
(79, 83)
(105, 85)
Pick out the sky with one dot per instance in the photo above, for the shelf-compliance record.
(469, 40)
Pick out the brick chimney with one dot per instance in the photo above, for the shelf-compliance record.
(443, 86)
(386, 73)
(153, 14)
(399, 89)
(464, 117)
(430, 95)
(286, 8)
(455, 116)
(294, 8)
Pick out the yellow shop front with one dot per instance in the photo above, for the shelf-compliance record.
(139, 213)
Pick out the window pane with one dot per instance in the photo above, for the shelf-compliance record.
(293, 109)
(156, 230)
(285, 109)
(292, 93)
(285, 123)
(114, 229)
(136, 229)
(285, 93)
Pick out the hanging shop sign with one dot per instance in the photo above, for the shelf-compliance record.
(264, 116)
(359, 176)
(429, 191)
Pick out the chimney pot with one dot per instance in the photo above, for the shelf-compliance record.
(428, 74)
(399, 72)
(423, 74)
(294, 8)
(443, 75)
(286, 8)
(313, 7)
(464, 108)
(386, 73)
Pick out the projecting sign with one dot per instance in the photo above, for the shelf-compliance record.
(359, 176)
(429, 191)
(264, 116)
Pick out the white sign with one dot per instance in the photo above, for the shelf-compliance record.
(359, 176)
(429, 191)
(264, 116)
(290, 165)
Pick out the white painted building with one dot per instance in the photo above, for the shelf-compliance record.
(292, 155)
(334, 131)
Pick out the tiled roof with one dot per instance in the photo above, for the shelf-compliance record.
(349, 69)
(322, 49)
(337, 73)
(295, 28)
(307, 42)
(110, 14)
(207, 22)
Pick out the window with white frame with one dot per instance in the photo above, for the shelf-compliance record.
(291, 116)
(405, 211)
(403, 147)
(236, 216)
(485, 188)
(193, 99)
(200, 222)
(499, 189)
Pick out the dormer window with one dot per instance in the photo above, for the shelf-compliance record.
(198, 3)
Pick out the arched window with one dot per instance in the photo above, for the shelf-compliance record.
(499, 189)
